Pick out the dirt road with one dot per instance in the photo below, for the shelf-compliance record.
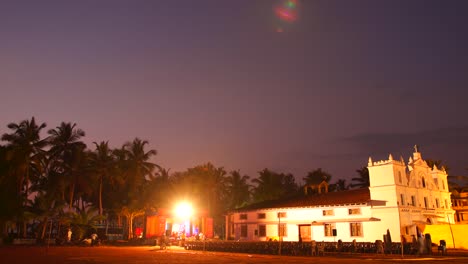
(117, 255)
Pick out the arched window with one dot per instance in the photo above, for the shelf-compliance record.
(423, 182)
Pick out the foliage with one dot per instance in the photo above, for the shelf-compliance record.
(120, 182)
(438, 163)
(363, 180)
(43, 208)
(271, 185)
(102, 166)
(238, 189)
(25, 156)
(24, 152)
(317, 176)
(67, 157)
(339, 185)
(83, 220)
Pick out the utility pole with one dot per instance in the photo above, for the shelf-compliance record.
(279, 233)
(451, 232)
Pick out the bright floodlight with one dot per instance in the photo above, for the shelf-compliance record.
(183, 210)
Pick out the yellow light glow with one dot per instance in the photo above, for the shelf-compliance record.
(183, 210)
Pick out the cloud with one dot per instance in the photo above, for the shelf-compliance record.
(450, 136)
(449, 144)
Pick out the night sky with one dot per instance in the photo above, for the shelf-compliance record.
(229, 82)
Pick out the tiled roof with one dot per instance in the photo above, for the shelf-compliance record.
(325, 199)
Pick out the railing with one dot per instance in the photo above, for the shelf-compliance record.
(294, 248)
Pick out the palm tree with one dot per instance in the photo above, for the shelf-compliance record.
(137, 161)
(26, 157)
(103, 166)
(25, 152)
(83, 220)
(64, 139)
(340, 185)
(67, 154)
(271, 185)
(209, 185)
(363, 180)
(438, 163)
(116, 192)
(11, 205)
(238, 189)
(317, 176)
(135, 168)
(44, 207)
(83, 185)
(161, 182)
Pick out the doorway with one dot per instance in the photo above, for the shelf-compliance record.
(305, 233)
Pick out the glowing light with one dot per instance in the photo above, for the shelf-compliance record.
(183, 210)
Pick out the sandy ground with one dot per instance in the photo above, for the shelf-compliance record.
(117, 255)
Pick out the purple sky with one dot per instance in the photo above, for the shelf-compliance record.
(213, 80)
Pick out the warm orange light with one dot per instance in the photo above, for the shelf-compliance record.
(183, 210)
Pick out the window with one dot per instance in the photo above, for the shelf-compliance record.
(437, 203)
(261, 216)
(402, 198)
(282, 230)
(446, 204)
(327, 212)
(443, 185)
(354, 211)
(356, 229)
(413, 200)
(243, 230)
(281, 214)
(329, 229)
(425, 202)
(243, 216)
(262, 230)
(423, 183)
(399, 176)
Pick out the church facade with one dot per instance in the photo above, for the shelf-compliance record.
(402, 197)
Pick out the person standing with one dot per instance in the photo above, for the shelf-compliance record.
(422, 245)
(428, 241)
(69, 235)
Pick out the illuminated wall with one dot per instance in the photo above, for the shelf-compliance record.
(439, 232)
(403, 197)
(416, 194)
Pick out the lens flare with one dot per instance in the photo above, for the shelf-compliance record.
(287, 11)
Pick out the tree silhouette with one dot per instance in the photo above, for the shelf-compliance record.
(363, 180)
(438, 163)
(272, 185)
(67, 155)
(102, 165)
(238, 189)
(317, 176)
(26, 158)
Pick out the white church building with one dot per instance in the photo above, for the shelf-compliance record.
(402, 197)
